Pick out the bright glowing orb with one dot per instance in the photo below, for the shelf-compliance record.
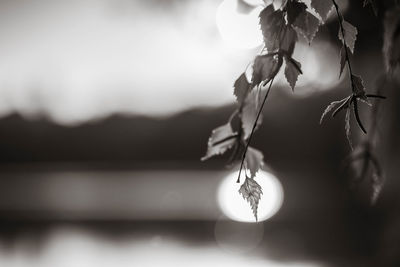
(236, 208)
(238, 31)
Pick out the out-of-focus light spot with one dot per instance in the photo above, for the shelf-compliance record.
(236, 208)
(254, 2)
(238, 31)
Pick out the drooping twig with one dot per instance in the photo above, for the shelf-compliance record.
(253, 128)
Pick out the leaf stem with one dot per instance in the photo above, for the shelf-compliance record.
(253, 129)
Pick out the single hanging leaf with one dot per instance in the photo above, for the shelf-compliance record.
(342, 59)
(264, 67)
(330, 107)
(251, 191)
(289, 41)
(322, 7)
(272, 23)
(241, 88)
(307, 25)
(254, 160)
(350, 35)
(221, 139)
(347, 127)
(292, 71)
(359, 89)
(294, 9)
(391, 39)
(249, 113)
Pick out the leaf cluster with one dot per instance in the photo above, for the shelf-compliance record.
(282, 28)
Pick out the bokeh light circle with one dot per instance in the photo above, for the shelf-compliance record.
(238, 31)
(236, 208)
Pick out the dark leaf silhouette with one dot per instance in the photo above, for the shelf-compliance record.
(251, 191)
(249, 113)
(292, 71)
(294, 9)
(254, 160)
(263, 68)
(330, 107)
(272, 22)
(241, 88)
(359, 89)
(221, 139)
(350, 35)
(288, 41)
(307, 25)
(323, 7)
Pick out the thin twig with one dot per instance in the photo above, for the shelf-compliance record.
(253, 129)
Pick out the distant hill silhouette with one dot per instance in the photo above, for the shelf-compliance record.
(290, 132)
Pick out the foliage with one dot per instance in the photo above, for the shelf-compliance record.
(281, 29)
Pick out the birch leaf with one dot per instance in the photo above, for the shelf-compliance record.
(263, 68)
(350, 35)
(221, 139)
(251, 191)
(330, 107)
(359, 89)
(254, 160)
(292, 71)
(322, 7)
(307, 25)
(272, 22)
(249, 113)
(241, 88)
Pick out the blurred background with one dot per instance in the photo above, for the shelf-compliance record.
(105, 111)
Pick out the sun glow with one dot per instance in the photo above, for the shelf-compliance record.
(238, 31)
(236, 208)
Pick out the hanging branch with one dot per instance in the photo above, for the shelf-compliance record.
(348, 36)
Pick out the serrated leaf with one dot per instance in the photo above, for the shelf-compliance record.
(254, 160)
(221, 139)
(263, 68)
(251, 191)
(292, 71)
(350, 35)
(330, 107)
(322, 7)
(391, 39)
(272, 22)
(241, 88)
(294, 8)
(347, 127)
(307, 25)
(249, 113)
(342, 59)
(359, 89)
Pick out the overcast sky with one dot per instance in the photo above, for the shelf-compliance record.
(79, 60)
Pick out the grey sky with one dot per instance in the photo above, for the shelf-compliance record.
(79, 60)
